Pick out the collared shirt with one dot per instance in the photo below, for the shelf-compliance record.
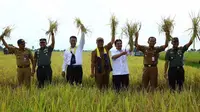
(151, 55)
(120, 65)
(175, 56)
(43, 56)
(78, 54)
(22, 57)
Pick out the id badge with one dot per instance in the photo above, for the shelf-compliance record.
(153, 58)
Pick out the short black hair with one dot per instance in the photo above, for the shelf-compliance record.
(175, 39)
(73, 37)
(118, 40)
(151, 38)
(20, 41)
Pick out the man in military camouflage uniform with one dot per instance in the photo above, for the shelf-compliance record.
(42, 58)
(174, 64)
(23, 58)
(151, 55)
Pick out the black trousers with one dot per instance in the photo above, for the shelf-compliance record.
(176, 76)
(120, 81)
(74, 74)
(44, 74)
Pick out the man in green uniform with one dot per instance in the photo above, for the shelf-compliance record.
(100, 63)
(42, 58)
(23, 58)
(174, 64)
(151, 55)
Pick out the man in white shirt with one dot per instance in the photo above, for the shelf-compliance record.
(120, 66)
(72, 65)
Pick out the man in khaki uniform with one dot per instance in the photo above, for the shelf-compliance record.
(23, 58)
(151, 55)
(100, 63)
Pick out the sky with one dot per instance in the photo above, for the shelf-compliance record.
(30, 19)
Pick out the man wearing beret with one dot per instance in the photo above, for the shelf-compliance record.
(42, 59)
(174, 64)
(23, 58)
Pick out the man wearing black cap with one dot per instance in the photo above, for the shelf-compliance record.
(72, 64)
(23, 58)
(42, 58)
(174, 64)
(100, 63)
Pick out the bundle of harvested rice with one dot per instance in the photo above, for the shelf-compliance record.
(167, 26)
(53, 27)
(80, 26)
(129, 31)
(113, 25)
(6, 32)
(195, 30)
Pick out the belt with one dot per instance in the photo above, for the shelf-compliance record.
(146, 65)
(177, 67)
(26, 66)
(43, 66)
(73, 66)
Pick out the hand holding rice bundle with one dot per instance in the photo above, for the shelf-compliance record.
(80, 26)
(6, 32)
(167, 26)
(53, 27)
(129, 31)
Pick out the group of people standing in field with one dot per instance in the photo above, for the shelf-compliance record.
(100, 62)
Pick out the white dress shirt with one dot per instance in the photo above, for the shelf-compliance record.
(120, 66)
(78, 54)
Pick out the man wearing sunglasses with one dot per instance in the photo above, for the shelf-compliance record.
(23, 58)
(42, 59)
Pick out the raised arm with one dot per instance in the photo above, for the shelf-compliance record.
(167, 37)
(53, 40)
(4, 42)
(190, 42)
(112, 40)
(82, 41)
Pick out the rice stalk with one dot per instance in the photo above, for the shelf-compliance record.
(113, 25)
(129, 31)
(195, 30)
(167, 26)
(53, 27)
(6, 32)
(80, 26)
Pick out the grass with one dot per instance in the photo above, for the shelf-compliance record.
(61, 97)
(190, 58)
